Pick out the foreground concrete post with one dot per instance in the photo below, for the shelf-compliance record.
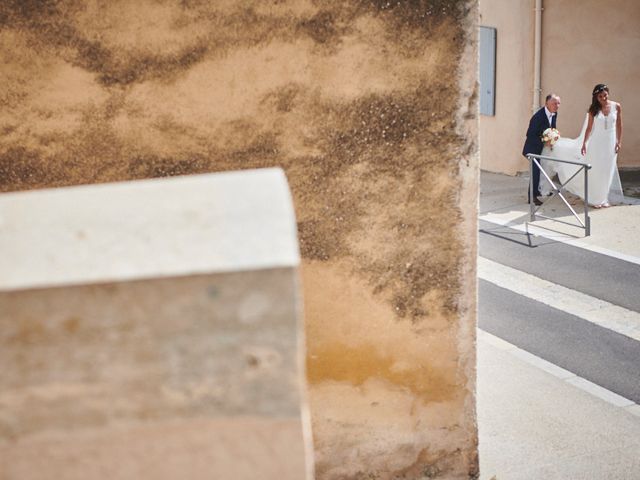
(152, 330)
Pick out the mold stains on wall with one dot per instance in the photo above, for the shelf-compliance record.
(152, 166)
(382, 133)
(54, 25)
(19, 12)
(282, 99)
(321, 28)
(21, 168)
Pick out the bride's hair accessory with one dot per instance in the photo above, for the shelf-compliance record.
(599, 88)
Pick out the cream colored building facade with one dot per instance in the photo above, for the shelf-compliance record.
(583, 42)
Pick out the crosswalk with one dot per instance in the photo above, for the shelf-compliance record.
(559, 319)
(589, 308)
(558, 392)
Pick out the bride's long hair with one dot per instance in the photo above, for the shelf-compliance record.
(595, 106)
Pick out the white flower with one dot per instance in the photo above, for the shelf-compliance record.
(550, 136)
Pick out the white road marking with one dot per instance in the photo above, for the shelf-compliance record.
(558, 372)
(613, 317)
(558, 237)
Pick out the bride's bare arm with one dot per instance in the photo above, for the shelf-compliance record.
(587, 133)
(619, 128)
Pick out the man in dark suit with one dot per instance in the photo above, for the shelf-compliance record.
(541, 120)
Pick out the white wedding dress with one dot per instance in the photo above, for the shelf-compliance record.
(604, 180)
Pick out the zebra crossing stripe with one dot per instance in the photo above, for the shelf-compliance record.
(557, 236)
(613, 317)
(560, 373)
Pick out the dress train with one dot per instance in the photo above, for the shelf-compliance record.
(604, 179)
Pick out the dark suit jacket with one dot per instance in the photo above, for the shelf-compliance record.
(538, 124)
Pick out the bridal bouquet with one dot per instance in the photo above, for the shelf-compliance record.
(550, 136)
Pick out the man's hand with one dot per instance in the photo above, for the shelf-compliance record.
(583, 150)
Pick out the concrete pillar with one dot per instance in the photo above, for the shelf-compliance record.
(152, 329)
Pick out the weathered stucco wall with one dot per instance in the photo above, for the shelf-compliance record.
(369, 106)
(586, 42)
(583, 43)
(502, 135)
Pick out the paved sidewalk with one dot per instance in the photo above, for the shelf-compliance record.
(503, 200)
(535, 425)
(537, 421)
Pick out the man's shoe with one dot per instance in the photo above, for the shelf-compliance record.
(536, 201)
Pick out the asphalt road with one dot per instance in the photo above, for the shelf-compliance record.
(600, 276)
(595, 353)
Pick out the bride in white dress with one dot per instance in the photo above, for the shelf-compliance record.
(598, 145)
